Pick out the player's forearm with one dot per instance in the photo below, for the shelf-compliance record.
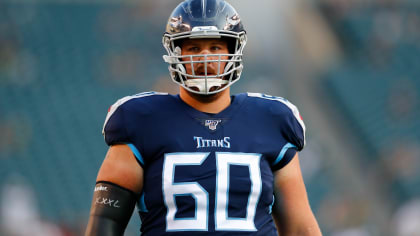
(302, 225)
(112, 207)
(302, 231)
(101, 226)
(311, 229)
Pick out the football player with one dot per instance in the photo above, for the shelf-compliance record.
(203, 162)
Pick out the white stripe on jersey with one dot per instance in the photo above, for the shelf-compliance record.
(123, 100)
(289, 105)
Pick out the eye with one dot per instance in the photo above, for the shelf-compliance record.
(216, 48)
(193, 49)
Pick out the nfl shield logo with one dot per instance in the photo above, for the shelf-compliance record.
(212, 124)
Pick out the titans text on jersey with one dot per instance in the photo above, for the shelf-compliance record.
(206, 174)
(202, 142)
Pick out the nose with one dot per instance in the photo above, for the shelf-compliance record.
(204, 52)
(207, 55)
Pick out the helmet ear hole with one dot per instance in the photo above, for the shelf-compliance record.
(231, 42)
(178, 43)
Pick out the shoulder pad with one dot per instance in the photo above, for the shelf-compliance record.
(288, 104)
(123, 100)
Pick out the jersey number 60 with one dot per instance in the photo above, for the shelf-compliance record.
(201, 197)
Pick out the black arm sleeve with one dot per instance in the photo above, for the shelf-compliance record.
(112, 207)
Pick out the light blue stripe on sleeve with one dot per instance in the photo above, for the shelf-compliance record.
(141, 204)
(136, 153)
(270, 208)
(282, 152)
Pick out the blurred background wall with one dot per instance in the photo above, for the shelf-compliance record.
(351, 66)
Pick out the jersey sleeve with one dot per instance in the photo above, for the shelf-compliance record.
(117, 125)
(293, 130)
(114, 129)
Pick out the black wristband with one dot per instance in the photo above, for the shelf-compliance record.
(112, 207)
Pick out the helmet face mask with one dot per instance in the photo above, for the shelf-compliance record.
(201, 19)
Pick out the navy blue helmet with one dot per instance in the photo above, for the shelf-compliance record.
(194, 19)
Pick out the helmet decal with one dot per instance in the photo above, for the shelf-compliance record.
(177, 26)
(232, 21)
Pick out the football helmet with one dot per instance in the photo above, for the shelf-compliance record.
(194, 19)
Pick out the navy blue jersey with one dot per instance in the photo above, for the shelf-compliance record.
(207, 174)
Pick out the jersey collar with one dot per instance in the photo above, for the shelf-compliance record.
(228, 112)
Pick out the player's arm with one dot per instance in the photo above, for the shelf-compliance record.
(291, 211)
(119, 182)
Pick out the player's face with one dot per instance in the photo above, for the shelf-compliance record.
(205, 47)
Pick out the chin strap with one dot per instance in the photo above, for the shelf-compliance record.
(201, 83)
